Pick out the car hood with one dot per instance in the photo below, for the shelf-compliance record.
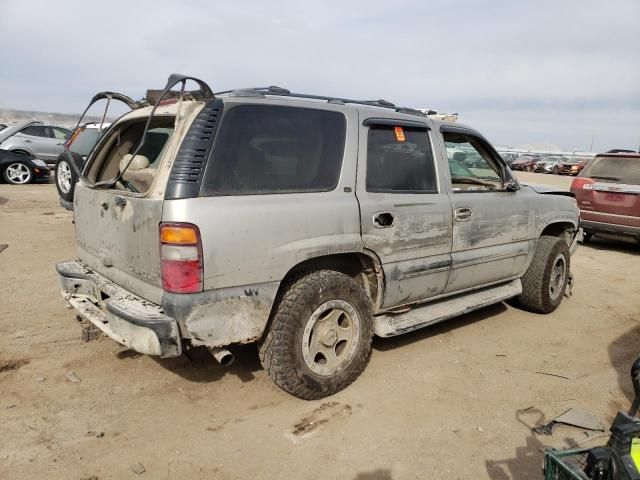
(14, 128)
(546, 189)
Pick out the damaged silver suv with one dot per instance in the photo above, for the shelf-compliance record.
(304, 224)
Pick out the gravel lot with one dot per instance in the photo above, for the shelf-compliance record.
(450, 402)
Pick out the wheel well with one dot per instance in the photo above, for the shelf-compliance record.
(560, 229)
(362, 268)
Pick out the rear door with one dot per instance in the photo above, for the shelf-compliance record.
(492, 227)
(405, 215)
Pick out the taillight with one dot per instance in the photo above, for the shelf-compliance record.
(582, 183)
(181, 258)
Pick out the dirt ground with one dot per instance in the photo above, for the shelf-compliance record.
(455, 401)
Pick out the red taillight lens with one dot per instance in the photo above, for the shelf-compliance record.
(582, 183)
(181, 258)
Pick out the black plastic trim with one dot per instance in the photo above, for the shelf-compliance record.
(189, 165)
(165, 328)
(395, 122)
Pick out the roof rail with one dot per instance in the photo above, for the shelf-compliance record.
(283, 92)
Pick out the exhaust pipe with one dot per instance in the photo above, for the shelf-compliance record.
(223, 356)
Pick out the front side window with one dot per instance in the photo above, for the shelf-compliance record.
(60, 133)
(471, 166)
(262, 149)
(400, 160)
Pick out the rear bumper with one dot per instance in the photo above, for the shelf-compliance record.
(594, 227)
(126, 318)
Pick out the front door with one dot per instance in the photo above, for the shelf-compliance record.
(405, 215)
(493, 225)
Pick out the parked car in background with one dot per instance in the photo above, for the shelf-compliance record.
(548, 165)
(571, 166)
(19, 169)
(35, 139)
(79, 144)
(526, 163)
(608, 195)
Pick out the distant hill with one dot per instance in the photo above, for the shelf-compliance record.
(8, 116)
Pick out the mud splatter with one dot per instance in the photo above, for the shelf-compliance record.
(318, 418)
(8, 365)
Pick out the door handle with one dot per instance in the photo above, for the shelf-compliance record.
(383, 219)
(463, 214)
(28, 141)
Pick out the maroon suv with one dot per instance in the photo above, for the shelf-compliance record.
(608, 194)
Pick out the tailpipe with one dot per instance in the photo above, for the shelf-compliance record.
(223, 356)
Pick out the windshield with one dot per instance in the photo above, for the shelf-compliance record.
(614, 169)
(85, 141)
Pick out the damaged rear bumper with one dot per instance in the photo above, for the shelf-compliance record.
(126, 318)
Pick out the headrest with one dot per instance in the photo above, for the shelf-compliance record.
(138, 163)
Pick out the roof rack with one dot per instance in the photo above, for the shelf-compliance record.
(283, 92)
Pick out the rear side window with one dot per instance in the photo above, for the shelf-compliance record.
(614, 169)
(35, 131)
(399, 159)
(262, 149)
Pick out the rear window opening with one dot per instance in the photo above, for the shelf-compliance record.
(614, 169)
(115, 154)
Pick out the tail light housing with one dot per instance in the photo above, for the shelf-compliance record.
(181, 258)
(582, 183)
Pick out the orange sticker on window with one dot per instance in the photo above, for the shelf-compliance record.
(399, 134)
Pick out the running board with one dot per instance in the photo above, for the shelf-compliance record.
(390, 325)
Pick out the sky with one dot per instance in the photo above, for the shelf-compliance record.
(565, 72)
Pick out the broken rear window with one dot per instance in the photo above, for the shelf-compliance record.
(270, 149)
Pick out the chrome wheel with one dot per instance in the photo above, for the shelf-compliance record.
(330, 338)
(18, 173)
(558, 276)
(63, 175)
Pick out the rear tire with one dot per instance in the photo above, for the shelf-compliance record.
(66, 178)
(319, 340)
(545, 281)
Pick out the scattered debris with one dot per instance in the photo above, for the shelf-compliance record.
(12, 405)
(138, 468)
(556, 375)
(8, 365)
(575, 417)
(480, 429)
(501, 354)
(72, 377)
(41, 379)
(3, 247)
(92, 433)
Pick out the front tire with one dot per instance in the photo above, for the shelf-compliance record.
(66, 178)
(319, 340)
(545, 281)
(18, 173)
